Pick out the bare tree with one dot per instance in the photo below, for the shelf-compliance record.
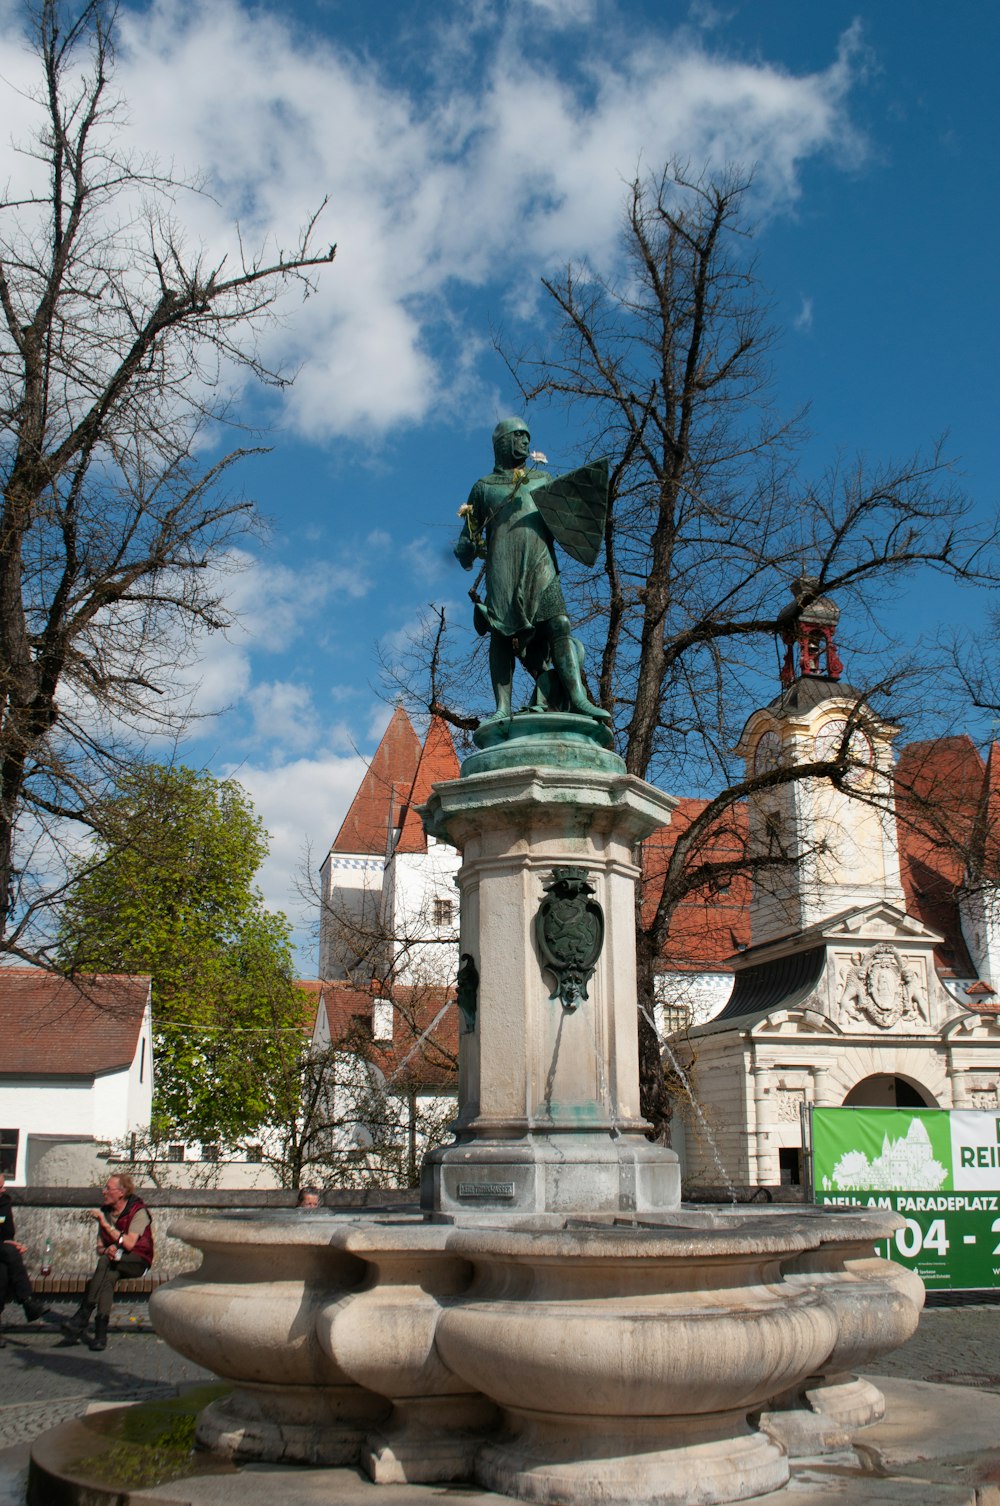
(359, 1111)
(120, 348)
(667, 370)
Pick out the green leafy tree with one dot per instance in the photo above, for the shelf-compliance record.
(170, 891)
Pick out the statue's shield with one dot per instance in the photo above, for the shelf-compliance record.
(574, 507)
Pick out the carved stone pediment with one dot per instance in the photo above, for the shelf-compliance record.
(973, 1027)
(795, 1022)
(879, 922)
(880, 986)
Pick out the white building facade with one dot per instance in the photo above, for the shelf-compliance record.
(76, 1077)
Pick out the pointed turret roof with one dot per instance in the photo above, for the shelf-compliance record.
(383, 792)
(438, 762)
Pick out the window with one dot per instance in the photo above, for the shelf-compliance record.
(772, 834)
(175, 1152)
(444, 912)
(142, 1061)
(382, 1019)
(675, 1017)
(209, 1152)
(789, 1163)
(9, 1139)
(254, 1155)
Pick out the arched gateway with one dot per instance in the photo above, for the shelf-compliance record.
(885, 1090)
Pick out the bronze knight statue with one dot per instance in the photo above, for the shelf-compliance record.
(513, 518)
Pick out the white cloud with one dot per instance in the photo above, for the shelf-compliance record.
(302, 801)
(284, 712)
(440, 190)
(560, 13)
(275, 601)
(804, 318)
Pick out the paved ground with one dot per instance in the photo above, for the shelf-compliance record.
(42, 1384)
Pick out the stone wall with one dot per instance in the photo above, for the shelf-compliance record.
(62, 1215)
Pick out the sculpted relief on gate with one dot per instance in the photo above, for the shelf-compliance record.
(883, 988)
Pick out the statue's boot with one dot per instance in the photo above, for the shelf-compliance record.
(567, 662)
(502, 677)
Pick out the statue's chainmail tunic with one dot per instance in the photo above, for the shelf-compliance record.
(522, 578)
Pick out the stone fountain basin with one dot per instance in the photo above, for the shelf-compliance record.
(431, 1351)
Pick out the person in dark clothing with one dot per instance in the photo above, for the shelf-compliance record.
(14, 1279)
(124, 1249)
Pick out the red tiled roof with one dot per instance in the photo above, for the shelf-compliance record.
(54, 1027)
(411, 1058)
(438, 762)
(346, 1007)
(383, 790)
(313, 990)
(985, 857)
(710, 922)
(939, 787)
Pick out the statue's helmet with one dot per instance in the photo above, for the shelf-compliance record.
(503, 430)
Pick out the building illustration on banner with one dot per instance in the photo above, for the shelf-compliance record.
(905, 1164)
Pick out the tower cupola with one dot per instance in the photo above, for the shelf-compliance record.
(827, 842)
(806, 628)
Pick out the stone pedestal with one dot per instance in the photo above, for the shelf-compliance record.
(549, 1124)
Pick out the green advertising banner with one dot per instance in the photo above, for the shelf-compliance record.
(939, 1168)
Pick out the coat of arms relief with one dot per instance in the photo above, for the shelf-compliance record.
(882, 987)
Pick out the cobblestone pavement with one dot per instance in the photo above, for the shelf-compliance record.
(955, 1346)
(42, 1384)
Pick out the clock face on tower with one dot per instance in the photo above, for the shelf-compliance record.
(829, 742)
(767, 754)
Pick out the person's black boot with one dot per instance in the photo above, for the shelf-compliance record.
(74, 1327)
(33, 1310)
(100, 1339)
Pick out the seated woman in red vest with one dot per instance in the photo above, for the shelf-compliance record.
(124, 1249)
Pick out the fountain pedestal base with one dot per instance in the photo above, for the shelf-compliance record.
(550, 1178)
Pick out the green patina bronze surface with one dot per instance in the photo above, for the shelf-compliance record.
(512, 520)
(467, 992)
(569, 932)
(554, 739)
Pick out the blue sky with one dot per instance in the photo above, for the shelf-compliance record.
(469, 149)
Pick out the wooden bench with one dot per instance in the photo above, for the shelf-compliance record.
(72, 1286)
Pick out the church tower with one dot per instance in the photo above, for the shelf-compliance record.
(841, 832)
